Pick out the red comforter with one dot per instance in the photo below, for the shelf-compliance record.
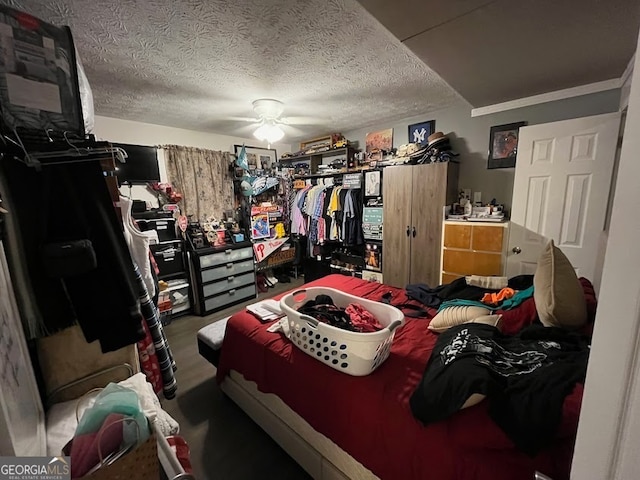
(369, 417)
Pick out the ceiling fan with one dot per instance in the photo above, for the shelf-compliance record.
(271, 126)
(268, 112)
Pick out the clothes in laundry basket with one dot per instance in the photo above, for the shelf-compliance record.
(354, 318)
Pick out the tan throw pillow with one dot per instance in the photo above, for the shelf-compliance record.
(493, 320)
(557, 291)
(453, 316)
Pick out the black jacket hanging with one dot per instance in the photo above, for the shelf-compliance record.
(103, 299)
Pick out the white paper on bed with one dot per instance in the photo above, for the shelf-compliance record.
(266, 310)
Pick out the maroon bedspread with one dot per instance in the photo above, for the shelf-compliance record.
(369, 417)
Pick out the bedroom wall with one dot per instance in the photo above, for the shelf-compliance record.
(127, 131)
(470, 136)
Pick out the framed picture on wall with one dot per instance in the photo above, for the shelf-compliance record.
(372, 184)
(259, 158)
(419, 132)
(503, 145)
(377, 143)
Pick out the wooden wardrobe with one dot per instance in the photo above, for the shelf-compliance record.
(412, 231)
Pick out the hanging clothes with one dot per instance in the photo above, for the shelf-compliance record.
(298, 221)
(165, 359)
(332, 209)
(352, 222)
(63, 204)
(326, 213)
(138, 243)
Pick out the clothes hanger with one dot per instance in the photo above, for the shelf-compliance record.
(60, 157)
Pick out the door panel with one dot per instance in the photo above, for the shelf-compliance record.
(397, 184)
(560, 192)
(429, 196)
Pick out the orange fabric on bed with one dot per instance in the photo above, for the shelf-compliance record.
(496, 298)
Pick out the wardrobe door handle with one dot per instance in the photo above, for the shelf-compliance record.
(413, 233)
(408, 231)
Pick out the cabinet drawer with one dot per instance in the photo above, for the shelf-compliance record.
(487, 239)
(227, 270)
(228, 284)
(449, 277)
(471, 263)
(229, 297)
(227, 256)
(457, 236)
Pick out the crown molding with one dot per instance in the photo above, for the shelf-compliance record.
(611, 84)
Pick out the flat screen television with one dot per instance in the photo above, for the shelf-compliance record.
(141, 165)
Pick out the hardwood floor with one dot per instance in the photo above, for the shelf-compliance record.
(225, 443)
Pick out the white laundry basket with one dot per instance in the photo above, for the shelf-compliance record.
(354, 353)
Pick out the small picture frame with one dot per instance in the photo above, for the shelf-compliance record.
(370, 276)
(373, 257)
(503, 145)
(419, 132)
(372, 184)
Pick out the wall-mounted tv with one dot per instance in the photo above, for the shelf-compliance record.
(141, 166)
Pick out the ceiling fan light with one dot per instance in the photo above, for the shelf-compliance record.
(269, 133)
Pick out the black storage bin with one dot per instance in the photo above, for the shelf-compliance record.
(166, 228)
(169, 257)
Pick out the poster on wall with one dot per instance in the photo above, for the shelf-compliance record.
(373, 257)
(377, 143)
(260, 226)
(503, 145)
(419, 132)
(264, 217)
(372, 184)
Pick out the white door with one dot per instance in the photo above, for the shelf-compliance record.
(561, 188)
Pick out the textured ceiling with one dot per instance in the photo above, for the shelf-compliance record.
(492, 51)
(195, 64)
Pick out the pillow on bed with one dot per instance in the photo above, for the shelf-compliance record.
(558, 294)
(453, 316)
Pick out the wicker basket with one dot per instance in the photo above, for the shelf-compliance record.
(139, 464)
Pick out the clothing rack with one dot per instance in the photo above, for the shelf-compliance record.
(318, 178)
(84, 151)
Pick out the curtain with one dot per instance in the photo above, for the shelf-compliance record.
(203, 178)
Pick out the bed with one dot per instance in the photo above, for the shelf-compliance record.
(337, 426)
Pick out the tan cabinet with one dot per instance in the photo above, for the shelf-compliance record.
(473, 249)
(412, 231)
